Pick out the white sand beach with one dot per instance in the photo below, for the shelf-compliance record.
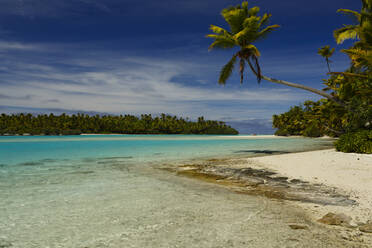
(349, 173)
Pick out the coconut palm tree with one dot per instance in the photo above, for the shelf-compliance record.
(326, 52)
(361, 52)
(245, 28)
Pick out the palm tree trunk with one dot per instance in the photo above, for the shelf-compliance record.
(300, 86)
(329, 68)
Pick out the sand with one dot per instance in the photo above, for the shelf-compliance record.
(349, 173)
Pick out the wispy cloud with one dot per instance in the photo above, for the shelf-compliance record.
(127, 84)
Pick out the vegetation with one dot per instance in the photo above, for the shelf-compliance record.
(127, 124)
(328, 117)
(359, 141)
(326, 52)
(245, 28)
(346, 110)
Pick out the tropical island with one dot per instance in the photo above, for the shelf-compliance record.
(20, 124)
(159, 191)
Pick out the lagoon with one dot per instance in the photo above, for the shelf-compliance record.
(110, 191)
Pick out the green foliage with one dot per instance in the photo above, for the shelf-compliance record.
(127, 124)
(360, 54)
(324, 117)
(245, 28)
(359, 142)
(326, 51)
(312, 130)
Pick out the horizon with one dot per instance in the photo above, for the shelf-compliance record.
(123, 57)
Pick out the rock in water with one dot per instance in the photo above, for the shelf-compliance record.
(336, 219)
(367, 228)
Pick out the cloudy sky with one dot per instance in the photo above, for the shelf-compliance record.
(129, 56)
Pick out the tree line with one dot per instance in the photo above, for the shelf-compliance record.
(104, 124)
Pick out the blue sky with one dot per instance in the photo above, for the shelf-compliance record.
(127, 56)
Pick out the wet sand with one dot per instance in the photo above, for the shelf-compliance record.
(318, 182)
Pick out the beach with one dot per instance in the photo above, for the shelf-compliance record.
(320, 182)
(349, 173)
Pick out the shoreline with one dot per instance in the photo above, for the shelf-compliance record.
(347, 173)
(319, 182)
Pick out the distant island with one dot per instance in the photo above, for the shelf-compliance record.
(28, 124)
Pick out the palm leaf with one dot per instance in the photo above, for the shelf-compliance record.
(221, 41)
(253, 11)
(264, 32)
(356, 16)
(265, 20)
(345, 33)
(218, 30)
(235, 18)
(227, 70)
(252, 50)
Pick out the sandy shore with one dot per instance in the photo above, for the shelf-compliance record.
(319, 182)
(348, 173)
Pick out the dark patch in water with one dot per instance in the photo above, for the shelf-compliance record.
(89, 160)
(111, 158)
(261, 152)
(82, 172)
(48, 160)
(105, 162)
(31, 163)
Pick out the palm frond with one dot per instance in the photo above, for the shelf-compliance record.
(218, 30)
(252, 50)
(265, 20)
(361, 58)
(356, 16)
(264, 32)
(221, 41)
(345, 33)
(253, 11)
(227, 70)
(235, 18)
(326, 51)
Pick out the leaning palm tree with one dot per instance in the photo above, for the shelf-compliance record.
(245, 28)
(326, 52)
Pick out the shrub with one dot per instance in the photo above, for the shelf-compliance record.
(359, 142)
(282, 132)
(312, 131)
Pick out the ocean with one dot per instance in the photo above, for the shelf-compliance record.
(109, 191)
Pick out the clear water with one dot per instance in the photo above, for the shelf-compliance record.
(106, 191)
(141, 148)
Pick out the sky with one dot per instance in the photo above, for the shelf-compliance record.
(136, 57)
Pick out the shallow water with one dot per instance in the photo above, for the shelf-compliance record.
(106, 191)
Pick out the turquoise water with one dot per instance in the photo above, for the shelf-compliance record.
(20, 150)
(106, 191)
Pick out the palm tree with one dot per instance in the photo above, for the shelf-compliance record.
(361, 52)
(245, 28)
(326, 52)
